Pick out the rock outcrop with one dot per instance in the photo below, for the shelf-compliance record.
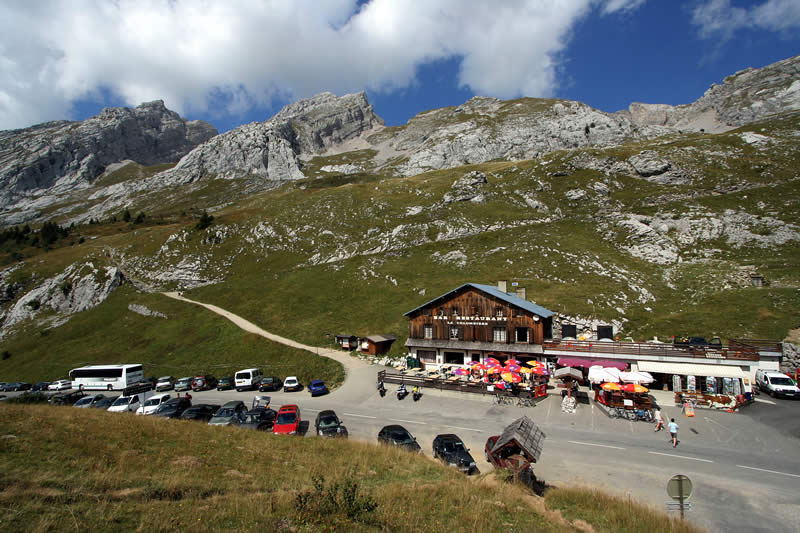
(272, 151)
(748, 96)
(58, 157)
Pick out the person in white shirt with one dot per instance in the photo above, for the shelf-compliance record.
(673, 430)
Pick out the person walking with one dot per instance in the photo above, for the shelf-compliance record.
(659, 421)
(673, 431)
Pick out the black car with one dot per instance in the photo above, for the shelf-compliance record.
(42, 386)
(398, 436)
(270, 383)
(173, 408)
(328, 424)
(230, 414)
(202, 412)
(226, 383)
(104, 403)
(451, 450)
(260, 418)
(16, 386)
(66, 398)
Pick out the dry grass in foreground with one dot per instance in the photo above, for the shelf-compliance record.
(80, 469)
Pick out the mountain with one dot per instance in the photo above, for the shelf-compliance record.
(40, 164)
(326, 220)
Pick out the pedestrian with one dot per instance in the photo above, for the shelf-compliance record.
(659, 421)
(673, 431)
(188, 396)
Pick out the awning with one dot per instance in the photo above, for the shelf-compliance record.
(586, 363)
(688, 369)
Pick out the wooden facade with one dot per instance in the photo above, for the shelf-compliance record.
(471, 315)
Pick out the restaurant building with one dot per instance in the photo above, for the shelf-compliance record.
(475, 321)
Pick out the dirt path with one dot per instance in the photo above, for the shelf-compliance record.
(348, 361)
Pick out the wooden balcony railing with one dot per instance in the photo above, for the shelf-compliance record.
(734, 350)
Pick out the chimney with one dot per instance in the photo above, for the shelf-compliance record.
(502, 286)
(522, 292)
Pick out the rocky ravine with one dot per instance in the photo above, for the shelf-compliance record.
(40, 163)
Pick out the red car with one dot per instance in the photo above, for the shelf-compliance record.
(288, 420)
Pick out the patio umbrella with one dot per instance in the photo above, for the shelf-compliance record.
(540, 371)
(494, 370)
(535, 363)
(461, 372)
(513, 362)
(636, 377)
(513, 368)
(634, 387)
(511, 377)
(610, 386)
(598, 374)
(491, 360)
(500, 385)
(479, 366)
(524, 370)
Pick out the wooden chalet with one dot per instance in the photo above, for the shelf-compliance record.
(473, 322)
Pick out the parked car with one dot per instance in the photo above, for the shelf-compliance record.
(270, 383)
(173, 408)
(317, 388)
(450, 449)
(41, 386)
(288, 420)
(152, 404)
(292, 384)
(260, 419)
(129, 403)
(202, 412)
(3, 385)
(230, 414)
(165, 383)
(247, 379)
(327, 424)
(88, 401)
(225, 383)
(777, 384)
(66, 398)
(61, 384)
(183, 384)
(16, 386)
(397, 435)
(204, 383)
(104, 403)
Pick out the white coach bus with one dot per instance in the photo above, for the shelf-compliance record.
(106, 377)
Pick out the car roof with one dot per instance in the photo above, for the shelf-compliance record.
(232, 403)
(448, 437)
(317, 382)
(164, 377)
(158, 396)
(247, 370)
(394, 427)
(290, 407)
(327, 412)
(290, 377)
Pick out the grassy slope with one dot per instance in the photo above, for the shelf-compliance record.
(76, 468)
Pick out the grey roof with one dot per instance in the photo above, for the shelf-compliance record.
(527, 435)
(381, 338)
(511, 299)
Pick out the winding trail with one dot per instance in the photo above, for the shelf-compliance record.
(349, 362)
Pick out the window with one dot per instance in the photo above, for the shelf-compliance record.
(440, 312)
(474, 311)
(427, 356)
(456, 333)
(428, 331)
(454, 311)
(499, 335)
(522, 334)
(499, 312)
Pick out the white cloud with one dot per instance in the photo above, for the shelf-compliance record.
(720, 18)
(195, 54)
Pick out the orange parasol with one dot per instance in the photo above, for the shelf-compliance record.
(494, 370)
(610, 386)
(634, 387)
(535, 363)
(511, 377)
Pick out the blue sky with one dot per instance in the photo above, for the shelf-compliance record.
(232, 63)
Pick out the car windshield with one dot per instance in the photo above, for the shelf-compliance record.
(225, 413)
(168, 408)
(328, 422)
(184, 381)
(84, 401)
(252, 419)
(401, 437)
(152, 401)
(164, 378)
(122, 400)
(453, 446)
(782, 381)
(226, 380)
(287, 418)
(266, 380)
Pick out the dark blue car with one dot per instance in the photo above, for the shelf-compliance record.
(317, 388)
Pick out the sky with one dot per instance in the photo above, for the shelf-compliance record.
(232, 62)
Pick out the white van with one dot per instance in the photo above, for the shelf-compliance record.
(777, 384)
(152, 404)
(247, 379)
(129, 403)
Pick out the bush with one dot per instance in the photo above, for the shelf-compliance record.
(338, 500)
(205, 221)
(29, 397)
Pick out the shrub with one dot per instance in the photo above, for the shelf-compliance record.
(205, 221)
(339, 499)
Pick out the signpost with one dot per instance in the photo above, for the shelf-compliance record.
(679, 488)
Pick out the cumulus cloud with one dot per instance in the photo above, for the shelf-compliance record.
(719, 18)
(217, 55)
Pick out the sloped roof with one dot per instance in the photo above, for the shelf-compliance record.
(381, 338)
(526, 434)
(511, 299)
